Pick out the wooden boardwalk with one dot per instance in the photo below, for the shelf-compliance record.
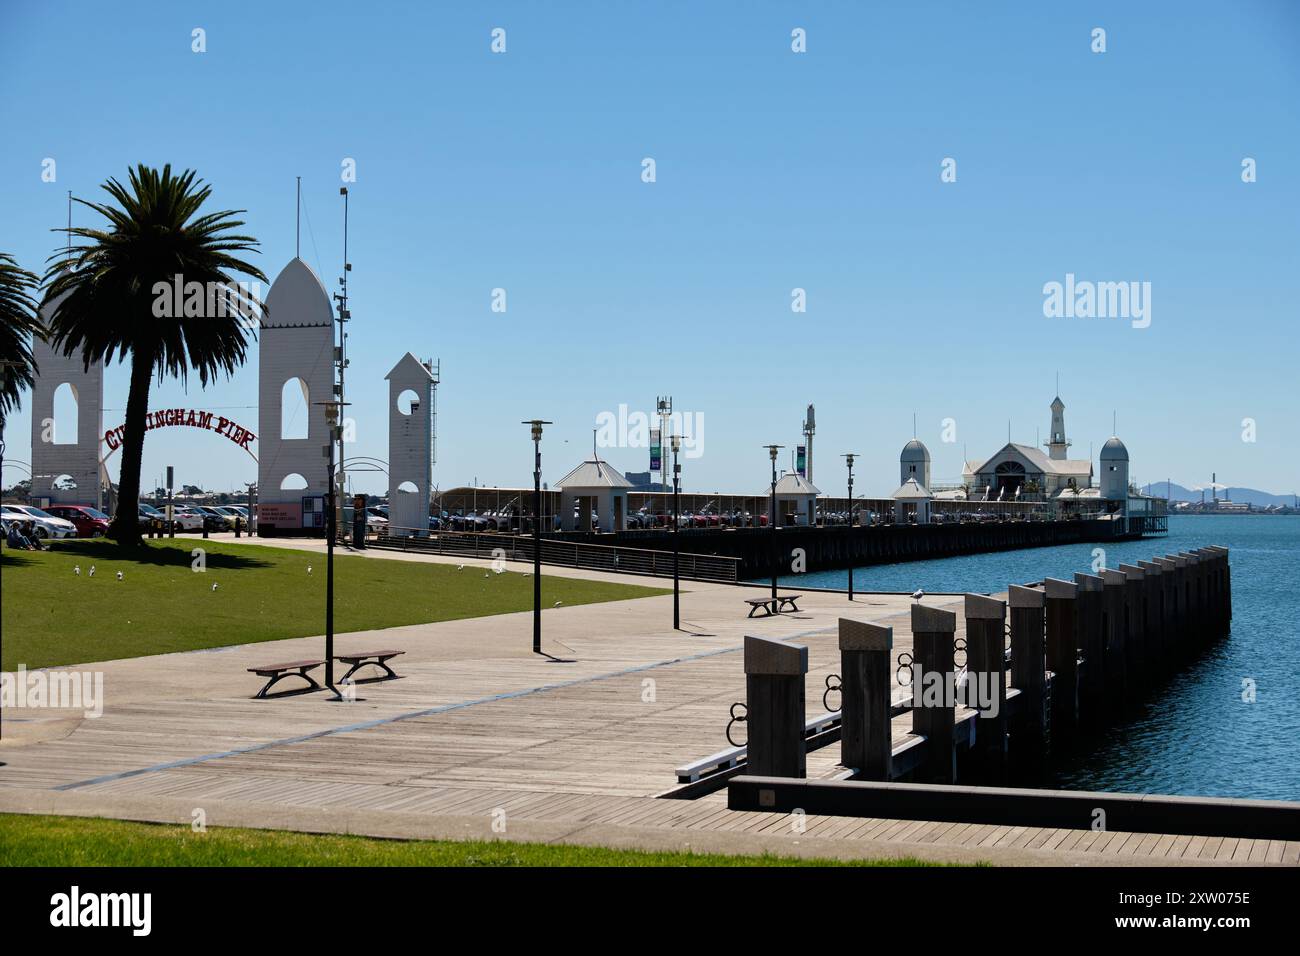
(477, 733)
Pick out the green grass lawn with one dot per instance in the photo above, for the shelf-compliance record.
(77, 841)
(49, 615)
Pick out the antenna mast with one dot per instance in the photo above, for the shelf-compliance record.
(340, 349)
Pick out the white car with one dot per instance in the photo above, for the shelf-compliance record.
(187, 519)
(43, 525)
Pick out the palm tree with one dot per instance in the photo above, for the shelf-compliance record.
(18, 323)
(114, 296)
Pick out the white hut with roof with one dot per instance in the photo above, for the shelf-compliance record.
(912, 498)
(796, 500)
(593, 497)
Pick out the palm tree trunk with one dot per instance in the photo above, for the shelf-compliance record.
(125, 528)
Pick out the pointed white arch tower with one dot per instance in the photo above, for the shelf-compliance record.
(79, 460)
(410, 447)
(296, 343)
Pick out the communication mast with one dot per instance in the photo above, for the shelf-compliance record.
(809, 427)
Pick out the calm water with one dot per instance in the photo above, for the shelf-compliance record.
(1195, 735)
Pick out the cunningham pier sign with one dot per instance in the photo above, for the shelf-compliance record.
(189, 418)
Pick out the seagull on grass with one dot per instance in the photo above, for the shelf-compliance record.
(76, 569)
(92, 570)
(214, 585)
(120, 576)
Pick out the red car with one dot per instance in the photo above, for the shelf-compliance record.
(90, 522)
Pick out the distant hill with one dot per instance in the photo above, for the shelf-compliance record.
(1250, 496)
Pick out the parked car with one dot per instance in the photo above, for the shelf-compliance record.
(219, 521)
(187, 518)
(376, 521)
(44, 525)
(151, 517)
(89, 522)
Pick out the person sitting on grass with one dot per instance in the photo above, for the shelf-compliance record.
(16, 539)
(33, 539)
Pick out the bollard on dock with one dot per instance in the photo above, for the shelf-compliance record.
(986, 668)
(1063, 659)
(774, 702)
(933, 633)
(866, 679)
(1028, 742)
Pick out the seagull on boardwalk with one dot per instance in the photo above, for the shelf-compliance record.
(917, 595)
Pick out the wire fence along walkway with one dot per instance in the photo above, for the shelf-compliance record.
(714, 568)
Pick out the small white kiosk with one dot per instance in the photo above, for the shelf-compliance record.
(912, 497)
(796, 500)
(593, 488)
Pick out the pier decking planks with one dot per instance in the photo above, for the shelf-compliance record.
(577, 744)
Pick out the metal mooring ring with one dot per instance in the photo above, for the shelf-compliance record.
(830, 689)
(736, 719)
(904, 665)
(959, 647)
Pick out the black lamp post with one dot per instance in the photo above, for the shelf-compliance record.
(536, 425)
(677, 488)
(332, 411)
(848, 459)
(772, 451)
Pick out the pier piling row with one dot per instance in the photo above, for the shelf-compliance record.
(1053, 663)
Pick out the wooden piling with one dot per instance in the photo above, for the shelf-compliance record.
(1028, 742)
(1063, 659)
(986, 669)
(1114, 625)
(1154, 645)
(1173, 610)
(1198, 621)
(1135, 606)
(866, 678)
(1092, 644)
(933, 673)
(774, 701)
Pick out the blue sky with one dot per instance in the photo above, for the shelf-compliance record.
(775, 171)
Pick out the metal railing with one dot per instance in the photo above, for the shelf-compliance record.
(573, 554)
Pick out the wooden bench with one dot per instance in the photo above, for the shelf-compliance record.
(773, 605)
(278, 672)
(378, 658)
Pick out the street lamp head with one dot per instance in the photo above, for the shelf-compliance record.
(676, 441)
(536, 424)
(848, 458)
(773, 449)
